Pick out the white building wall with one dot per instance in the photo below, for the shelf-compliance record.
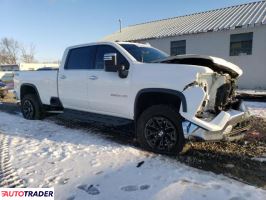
(218, 44)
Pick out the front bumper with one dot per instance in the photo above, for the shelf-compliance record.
(226, 125)
(233, 129)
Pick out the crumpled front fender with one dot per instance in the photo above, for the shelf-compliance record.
(194, 98)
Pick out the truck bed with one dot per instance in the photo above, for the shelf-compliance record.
(44, 81)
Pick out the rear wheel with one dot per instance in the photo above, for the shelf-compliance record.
(31, 108)
(159, 129)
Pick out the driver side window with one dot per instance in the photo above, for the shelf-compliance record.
(104, 49)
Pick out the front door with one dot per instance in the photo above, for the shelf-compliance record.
(107, 92)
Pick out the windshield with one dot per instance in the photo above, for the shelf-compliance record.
(144, 54)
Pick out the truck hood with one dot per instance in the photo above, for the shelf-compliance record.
(216, 64)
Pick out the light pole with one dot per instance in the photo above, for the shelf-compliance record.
(120, 25)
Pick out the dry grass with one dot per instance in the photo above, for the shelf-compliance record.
(9, 98)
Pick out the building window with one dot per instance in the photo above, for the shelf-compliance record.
(241, 44)
(178, 47)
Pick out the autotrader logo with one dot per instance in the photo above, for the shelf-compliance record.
(27, 193)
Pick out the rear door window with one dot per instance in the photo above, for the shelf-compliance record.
(81, 58)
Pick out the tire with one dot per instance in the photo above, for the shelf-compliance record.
(159, 129)
(31, 108)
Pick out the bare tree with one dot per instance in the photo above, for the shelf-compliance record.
(9, 50)
(27, 56)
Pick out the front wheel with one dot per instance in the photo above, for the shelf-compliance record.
(31, 108)
(159, 129)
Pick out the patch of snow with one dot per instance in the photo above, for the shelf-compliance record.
(261, 159)
(83, 165)
(253, 92)
(256, 108)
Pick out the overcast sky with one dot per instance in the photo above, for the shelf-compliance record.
(52, 25)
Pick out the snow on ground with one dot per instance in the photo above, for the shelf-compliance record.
(84, 165)
(253, 92)
(261, 159)
(256, 108)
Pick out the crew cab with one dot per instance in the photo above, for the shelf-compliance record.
(170, 99)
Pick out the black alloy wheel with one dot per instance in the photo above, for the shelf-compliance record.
(159, 129)
(31, 107)
(160, 134)
(28, 109)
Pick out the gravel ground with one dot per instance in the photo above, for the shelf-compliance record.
(244, 160)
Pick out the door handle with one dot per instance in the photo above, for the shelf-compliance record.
(93, 77)
(62, 76)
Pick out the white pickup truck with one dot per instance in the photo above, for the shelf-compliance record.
(169, 98)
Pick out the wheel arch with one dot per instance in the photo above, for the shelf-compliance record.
(166, 96)
(28, 88)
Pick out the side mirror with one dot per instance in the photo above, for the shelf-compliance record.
(110, 62)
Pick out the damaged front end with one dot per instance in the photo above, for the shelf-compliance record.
(213, 111)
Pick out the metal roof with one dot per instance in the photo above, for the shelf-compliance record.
(239, 16)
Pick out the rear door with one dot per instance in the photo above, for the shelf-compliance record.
(73, 78)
